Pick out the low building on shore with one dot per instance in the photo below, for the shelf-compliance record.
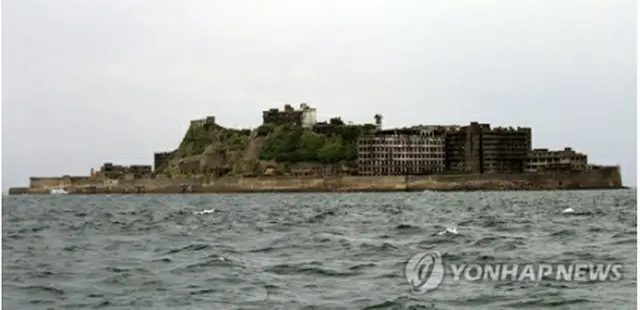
(540, 160)
(111, 171)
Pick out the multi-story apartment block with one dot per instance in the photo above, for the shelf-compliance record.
(402, 151)
(478, 148)
(504, 150)
(539, 160)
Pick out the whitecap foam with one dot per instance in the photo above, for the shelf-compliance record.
(204, 211)
(449, 231)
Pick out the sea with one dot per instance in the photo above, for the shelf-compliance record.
(317, 251)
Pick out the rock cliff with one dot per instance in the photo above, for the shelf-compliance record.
(211, 149)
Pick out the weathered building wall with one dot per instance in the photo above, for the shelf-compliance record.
(63, 182)
(161, 159)
(409, 151)
(309, 116)
(605, 177)
(597, 178)
(372, 183)
(85, 181)
(308, 184)
(49, 182)
(479, 148)
(546, 160)
(264, 184)
(18, 190)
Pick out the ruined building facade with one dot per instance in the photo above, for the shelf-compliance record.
(207, 122)
(161, 159)
(405, 151)
(306, 116)
(478, 148)
(540, 160)
(111, 171)
(475, 148)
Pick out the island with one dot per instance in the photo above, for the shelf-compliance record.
(293, 152)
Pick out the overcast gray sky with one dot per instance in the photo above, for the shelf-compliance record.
(91, 81)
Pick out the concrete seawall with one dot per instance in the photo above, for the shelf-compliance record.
(602, 178)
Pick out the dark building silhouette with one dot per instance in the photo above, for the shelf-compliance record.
(161, 159)
(475, 148)
(112, 171)
(478, 148)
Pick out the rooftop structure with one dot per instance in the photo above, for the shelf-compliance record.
(305, 116)
(205, 122)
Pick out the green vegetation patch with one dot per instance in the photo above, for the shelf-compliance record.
(292, 144)
(195, 141)
(198, 138)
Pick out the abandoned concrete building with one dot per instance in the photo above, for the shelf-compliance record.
(540, 160)
(204, 121)
(472, 148)
(402, 151)
(478, 148)
(305, 116)
(475, 148)
(161, 159)
(111, 171)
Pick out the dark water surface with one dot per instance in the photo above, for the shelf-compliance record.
(308, 251)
